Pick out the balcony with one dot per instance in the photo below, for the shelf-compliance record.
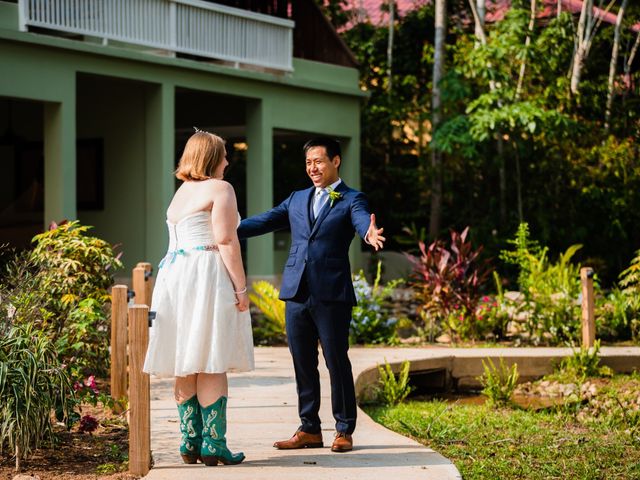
(192, 27)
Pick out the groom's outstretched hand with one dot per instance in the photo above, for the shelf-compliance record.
(374, 235)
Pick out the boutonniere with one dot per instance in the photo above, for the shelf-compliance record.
(333, 196)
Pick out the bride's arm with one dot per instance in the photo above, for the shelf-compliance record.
(225, 223)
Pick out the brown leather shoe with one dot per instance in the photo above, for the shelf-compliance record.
(342, 443)
(301, 439)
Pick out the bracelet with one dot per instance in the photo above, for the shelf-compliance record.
(240, 292)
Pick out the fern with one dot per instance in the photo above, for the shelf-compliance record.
(499, 382)
(393, 390)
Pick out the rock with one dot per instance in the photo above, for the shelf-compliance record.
(444, 338)
(24, 476)
(514, 296)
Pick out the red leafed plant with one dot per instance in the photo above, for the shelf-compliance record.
(449, 282)
(88, 424)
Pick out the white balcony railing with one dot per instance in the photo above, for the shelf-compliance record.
(186, 26)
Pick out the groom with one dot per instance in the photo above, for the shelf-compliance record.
(317, 287)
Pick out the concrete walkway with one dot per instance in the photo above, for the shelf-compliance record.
(263, 408)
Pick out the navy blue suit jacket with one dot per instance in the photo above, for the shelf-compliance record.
(321, 248)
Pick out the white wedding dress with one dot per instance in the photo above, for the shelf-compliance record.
(197, 327)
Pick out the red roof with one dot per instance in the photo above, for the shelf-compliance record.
(371, 10)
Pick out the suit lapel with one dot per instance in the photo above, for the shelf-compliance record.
(309, 205)
(326, 210)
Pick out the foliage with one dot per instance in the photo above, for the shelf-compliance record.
(67, 276)
(393, 390)
(630, 284)
(583, 363)
(370, 321)
(265, 298)
(535, 153)
(83, 340)
(493, 313)
(616, 317)
(499, 382)
(33, 382)
(448, 282)
(550, 290)
(72, 266)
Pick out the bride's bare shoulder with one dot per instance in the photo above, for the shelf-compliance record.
(220, 187)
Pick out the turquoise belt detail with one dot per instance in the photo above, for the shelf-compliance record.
(173, 254)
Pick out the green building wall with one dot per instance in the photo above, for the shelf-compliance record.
(128, 99)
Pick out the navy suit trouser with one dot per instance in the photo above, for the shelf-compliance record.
(308, 322)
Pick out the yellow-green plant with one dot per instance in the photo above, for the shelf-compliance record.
(583, 363)
(73, 273)
(630, 283)
(266, 300)
(498, 382)
(393, 389)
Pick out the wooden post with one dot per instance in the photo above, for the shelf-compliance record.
(118, 345)
(139, 392)
(588, 311)
(142, 283)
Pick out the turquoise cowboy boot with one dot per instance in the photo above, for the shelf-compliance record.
(191, 429)
(214, 428)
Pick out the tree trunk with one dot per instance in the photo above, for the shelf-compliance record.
(581, 45)
(613, 64)
(436, 157)
(480, 5)
(527, 42)
(627, 76)
(559, 9)
(518, 183)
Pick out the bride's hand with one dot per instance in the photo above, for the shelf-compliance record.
(242, 301)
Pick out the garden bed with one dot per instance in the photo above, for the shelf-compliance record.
(102, 454)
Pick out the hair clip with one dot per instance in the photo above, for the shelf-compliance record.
(198, 130)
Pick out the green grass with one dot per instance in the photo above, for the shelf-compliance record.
(505, 444)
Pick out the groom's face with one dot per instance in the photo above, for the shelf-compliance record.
(322, 170)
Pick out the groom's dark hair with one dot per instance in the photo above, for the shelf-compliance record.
(332, 146)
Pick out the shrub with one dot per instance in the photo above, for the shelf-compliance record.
(72, 266)
(630, 283)
(498, 382)
(69, 274)
(370, 320)
(492, 313)
(448, 282)
(550, 290)
(272, 325)
(393, 390)
(33, 383)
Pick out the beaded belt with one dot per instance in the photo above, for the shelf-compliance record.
(172, 254)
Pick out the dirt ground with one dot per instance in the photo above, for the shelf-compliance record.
(79, 456)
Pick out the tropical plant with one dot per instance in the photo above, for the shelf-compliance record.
(33, 383)
(448, 282)
(630, 284)
(498, 382)
(371, 322)
(67, 274)
(72, 266)
(393, 389)
(550, 290)
(265, 298)
(584, 363)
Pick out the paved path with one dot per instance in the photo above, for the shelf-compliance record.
(262, 409)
